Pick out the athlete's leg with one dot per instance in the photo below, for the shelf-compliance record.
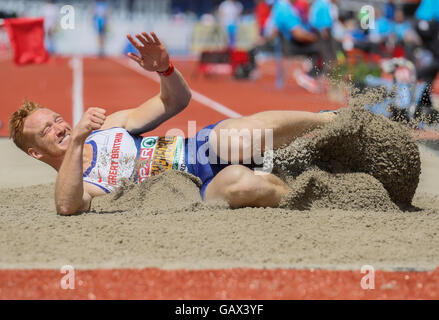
(285, 125)
(240, 187)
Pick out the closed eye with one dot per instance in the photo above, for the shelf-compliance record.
(46, 129)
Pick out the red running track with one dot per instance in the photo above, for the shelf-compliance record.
(48, 84)
(217, 284)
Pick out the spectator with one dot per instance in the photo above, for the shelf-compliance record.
(229, 13)
(343, 31)
(405, 34)
(321, 17)
(389, 9)
(427, 10)
(383, 28)
(427, 27)
(302, 7)
(402, 27)
(285, 21)
(427, 15)
(100, 19)
(262, 13)
(50, 14)
(288, 22)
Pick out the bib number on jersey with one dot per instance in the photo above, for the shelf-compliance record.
(158, 154)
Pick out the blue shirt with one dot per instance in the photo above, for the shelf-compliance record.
(285, 18)
(320, 14)
(428, 10)
(389, 11)
(383, 27)
(401, 29)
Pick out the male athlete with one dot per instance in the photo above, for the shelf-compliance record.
(93, 157)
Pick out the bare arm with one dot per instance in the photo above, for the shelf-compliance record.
(69, 189)
(70, 194)
(174, 96)
(303, 35)
(174, 93)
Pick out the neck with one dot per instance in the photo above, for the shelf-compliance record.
(55, 163)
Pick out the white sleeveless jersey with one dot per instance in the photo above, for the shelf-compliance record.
(117, 154)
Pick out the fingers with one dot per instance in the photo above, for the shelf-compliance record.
(156, 39)
(145, 40)
(92, 119)
(134, 42)
(142, 39)
(96, 110)
(95, 125)
(96, 117)
(134, 57)
(97, 120)
(147, 36)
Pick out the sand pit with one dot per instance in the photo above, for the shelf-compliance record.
(357, 141)
(316, 189)
(163, 223)
(198, 235)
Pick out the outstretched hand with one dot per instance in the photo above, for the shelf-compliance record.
(153, 54)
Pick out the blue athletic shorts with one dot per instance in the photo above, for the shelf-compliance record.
(206, 172)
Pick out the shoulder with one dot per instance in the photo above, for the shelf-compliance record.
(113, 131)
(116, 119)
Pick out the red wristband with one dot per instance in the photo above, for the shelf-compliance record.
(168, 71)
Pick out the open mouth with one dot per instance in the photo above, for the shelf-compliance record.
(66, 137)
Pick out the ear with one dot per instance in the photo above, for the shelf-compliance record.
(34, 153)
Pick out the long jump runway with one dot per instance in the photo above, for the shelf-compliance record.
(114, 85)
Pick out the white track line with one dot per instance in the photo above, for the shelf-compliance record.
(77, 93)
(218, 107)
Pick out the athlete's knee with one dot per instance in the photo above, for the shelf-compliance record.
(236, 174)
(238, 180)
(245, 188)
(241, 190)
(247, 194)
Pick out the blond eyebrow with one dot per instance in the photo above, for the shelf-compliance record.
(44, 127)
(55, 116)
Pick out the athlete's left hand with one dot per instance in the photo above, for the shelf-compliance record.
(153, 54)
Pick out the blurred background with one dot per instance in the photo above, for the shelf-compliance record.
(177, 21)
(174, 20)
(310, 53)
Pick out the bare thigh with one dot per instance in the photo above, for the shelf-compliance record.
(241, 187)
(245, 139)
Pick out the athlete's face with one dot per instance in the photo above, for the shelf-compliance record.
(47, 133)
